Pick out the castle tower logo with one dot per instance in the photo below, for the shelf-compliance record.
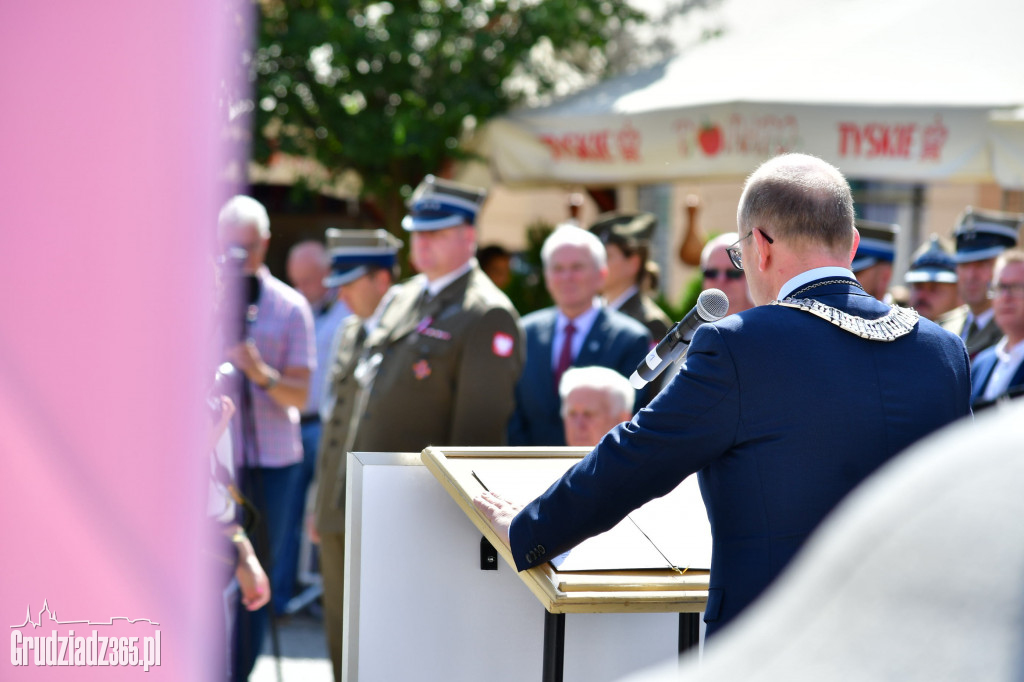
(51, 617)
(93, 649)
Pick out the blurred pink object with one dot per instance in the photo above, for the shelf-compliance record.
(111, 180)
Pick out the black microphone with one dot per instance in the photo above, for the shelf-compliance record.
(712, 305)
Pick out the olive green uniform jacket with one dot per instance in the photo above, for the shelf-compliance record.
(443, 370)
(647, 312)
(342, 394)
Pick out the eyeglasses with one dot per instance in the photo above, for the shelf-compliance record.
(713, 273)
(1013, 290)
(736, 256)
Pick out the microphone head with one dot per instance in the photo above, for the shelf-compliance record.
(712, 305)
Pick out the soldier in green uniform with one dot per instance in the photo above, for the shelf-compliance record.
(626, 238)
(441, 368)
(363, 267)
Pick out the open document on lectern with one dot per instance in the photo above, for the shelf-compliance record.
(669, 532)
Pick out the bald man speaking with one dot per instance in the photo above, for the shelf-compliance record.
(781, 409)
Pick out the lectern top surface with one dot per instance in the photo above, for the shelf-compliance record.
(522, 474)
(671, 532)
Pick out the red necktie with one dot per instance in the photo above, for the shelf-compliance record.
(565, 357)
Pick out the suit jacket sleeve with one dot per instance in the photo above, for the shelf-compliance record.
(488, 371)
(687, 425)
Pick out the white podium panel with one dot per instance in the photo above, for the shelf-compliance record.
(418, 606)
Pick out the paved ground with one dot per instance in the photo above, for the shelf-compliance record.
(303, 653)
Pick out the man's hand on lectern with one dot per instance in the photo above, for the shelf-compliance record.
(498, 511)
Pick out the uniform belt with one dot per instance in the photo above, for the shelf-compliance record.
(309, 419)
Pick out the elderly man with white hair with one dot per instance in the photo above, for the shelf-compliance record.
(594, 399)
(576, 331)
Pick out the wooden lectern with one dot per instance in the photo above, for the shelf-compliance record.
(656, 586)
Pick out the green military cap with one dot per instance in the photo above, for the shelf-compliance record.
(630, 230)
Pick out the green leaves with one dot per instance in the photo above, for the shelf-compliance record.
(386, 88)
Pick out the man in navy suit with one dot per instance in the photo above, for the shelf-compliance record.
(782, 409)
(998, 372)
(575, 269)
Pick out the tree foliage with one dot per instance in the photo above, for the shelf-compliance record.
(389, 90)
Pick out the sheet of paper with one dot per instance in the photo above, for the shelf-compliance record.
(678, 524)
(519, 480)
(623, 547)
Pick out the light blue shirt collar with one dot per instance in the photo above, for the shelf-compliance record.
(809, 276)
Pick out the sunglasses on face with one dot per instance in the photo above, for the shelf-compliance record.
(713, 273)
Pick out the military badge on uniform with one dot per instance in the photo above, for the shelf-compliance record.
(421, 369)
(439, 334)
(502, 344)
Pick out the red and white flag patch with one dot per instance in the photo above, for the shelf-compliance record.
(502, 344)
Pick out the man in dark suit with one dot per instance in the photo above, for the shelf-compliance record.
(980, 237)
(998, 372)
(782, 409)
(864, 599)
(576, 332)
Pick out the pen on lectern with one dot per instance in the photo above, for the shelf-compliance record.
(480, 482)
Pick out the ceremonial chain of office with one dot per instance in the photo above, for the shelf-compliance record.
(896, 323)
